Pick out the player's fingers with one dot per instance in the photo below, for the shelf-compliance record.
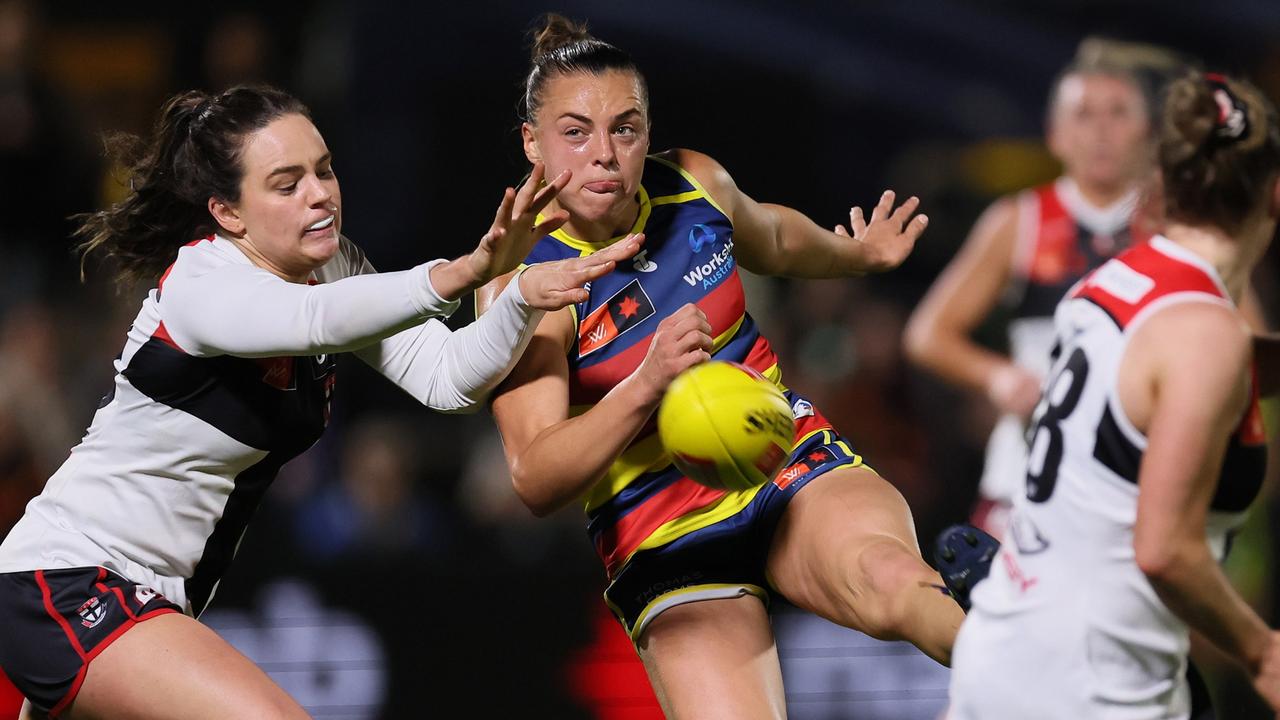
(524, 195)
(549, 192)
(551, 223)
(881, 210)
(857, 223)
(591, 272)
(695, 337)
(905, 211)
(916, 227)
(502, 218)
(622, 249)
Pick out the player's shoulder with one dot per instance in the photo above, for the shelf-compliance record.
(701, 167)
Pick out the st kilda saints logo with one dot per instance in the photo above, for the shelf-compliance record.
(91, 612)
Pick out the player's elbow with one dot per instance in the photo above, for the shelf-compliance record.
(918, 339)
(1162, 561)
(532, 493)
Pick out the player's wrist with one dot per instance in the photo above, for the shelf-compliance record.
(455, 278)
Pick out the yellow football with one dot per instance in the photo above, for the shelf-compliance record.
(726, 426)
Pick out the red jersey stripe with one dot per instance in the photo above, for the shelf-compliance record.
(616, 543)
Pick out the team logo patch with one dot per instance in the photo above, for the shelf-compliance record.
(801, 408)
(277, 372)
(91, 612)
(807, 464)
(628, 307)
(700, 236)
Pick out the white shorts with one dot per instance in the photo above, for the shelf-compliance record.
(1002, 669)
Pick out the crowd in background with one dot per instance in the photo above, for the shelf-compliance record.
(407, 518)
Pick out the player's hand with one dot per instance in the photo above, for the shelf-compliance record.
(682, 340)
(553, 285)
(1266, 679)
(515, 227)
(888, 238)
(1014, 390)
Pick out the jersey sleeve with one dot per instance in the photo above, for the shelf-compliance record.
(240, 309)
(453, 371)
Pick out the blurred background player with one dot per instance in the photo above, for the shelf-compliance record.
(1147, 446)
(1027, 249)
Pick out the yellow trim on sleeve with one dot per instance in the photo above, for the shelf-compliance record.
(680, 198)
(692, 181)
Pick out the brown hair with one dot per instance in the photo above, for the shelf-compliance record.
(563, 47)
(1216, 160)
(193, 154)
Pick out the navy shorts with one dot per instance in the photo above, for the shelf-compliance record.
(726, 559)
(57, 621)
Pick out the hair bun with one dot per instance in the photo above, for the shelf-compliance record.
(557, 31)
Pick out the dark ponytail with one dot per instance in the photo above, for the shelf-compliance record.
(1219, 148)
(193, 154)
(562, 47)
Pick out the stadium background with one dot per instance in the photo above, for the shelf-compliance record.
(391, 572)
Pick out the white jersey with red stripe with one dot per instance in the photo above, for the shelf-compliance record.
(1059, 237)
(1066, 625)
(225, 375)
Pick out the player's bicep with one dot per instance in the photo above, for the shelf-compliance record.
(535, 395)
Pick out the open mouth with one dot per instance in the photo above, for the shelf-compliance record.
(322, 228)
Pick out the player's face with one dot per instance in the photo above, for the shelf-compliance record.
(598, 127)
(1099, 130)
(290, 207)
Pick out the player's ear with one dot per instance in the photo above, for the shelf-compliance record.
(531, 150)
(226, 215)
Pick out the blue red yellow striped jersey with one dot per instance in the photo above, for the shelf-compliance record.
(643, 501)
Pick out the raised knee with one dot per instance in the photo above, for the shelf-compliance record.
(890, 573)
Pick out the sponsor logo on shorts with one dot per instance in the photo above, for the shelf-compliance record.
(143, 594)
(91, 612)
(647, 595)
(791, 474)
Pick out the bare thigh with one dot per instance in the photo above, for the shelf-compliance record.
(171, 666)
(846, 550)
(714, 659)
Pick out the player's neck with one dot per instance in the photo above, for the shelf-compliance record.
(596, 232)
(1233, 258)
(1103, 195)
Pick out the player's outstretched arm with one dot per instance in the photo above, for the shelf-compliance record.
(938, 336)
(778, 240)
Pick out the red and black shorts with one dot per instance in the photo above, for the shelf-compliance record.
(56, 621)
